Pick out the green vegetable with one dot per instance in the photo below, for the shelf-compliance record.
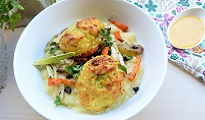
(57, 101)
(53, 59)
(105, 33)
(123, 68)
(74, 70)
(6, 13)
(54, 47)
(128, 57)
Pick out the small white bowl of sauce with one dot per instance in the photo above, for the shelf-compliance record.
(187, 29)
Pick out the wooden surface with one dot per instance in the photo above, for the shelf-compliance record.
(181, 97)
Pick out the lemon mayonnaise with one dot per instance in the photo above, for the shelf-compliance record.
(187, 32)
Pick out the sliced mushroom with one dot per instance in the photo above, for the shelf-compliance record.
(128, 48)
(61, 68)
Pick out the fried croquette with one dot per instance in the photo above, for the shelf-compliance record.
(100, 83)
(90, 26)
(81, 37)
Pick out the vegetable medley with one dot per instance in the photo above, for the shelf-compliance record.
(92, 66)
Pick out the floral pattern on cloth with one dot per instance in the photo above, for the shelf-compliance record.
(162, 12)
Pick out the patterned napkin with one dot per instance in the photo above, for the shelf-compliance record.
(32, 8)
(162, 12)
(3, 61)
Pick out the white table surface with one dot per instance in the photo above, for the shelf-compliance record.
(181, 96)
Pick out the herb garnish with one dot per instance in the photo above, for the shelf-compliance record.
(57, 101)
(74, 70)
(54, 47)
(106, 37)
(7, 14)
(53, 1)
(126, 58)
(123, 68)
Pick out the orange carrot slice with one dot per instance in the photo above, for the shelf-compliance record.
(121, 26)
(135, 70)
(57, 81)
(118, 36)
(105, 50)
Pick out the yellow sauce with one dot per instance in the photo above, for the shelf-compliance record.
(187, 32)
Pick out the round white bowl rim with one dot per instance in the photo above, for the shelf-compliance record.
(60, 3)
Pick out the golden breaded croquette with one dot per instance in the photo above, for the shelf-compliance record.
(82, 36)
(90, 26)
(100, 83)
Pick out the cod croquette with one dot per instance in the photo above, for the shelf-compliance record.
(82, 37)
(100, 83)
(90, 26)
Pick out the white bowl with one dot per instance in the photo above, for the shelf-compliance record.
(197, 12)
(55, 18)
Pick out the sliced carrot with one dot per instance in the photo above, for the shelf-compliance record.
(105, 50)
(57, 81)
(135, 70)
(118, 36)
(90, 52)
(121, 26)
